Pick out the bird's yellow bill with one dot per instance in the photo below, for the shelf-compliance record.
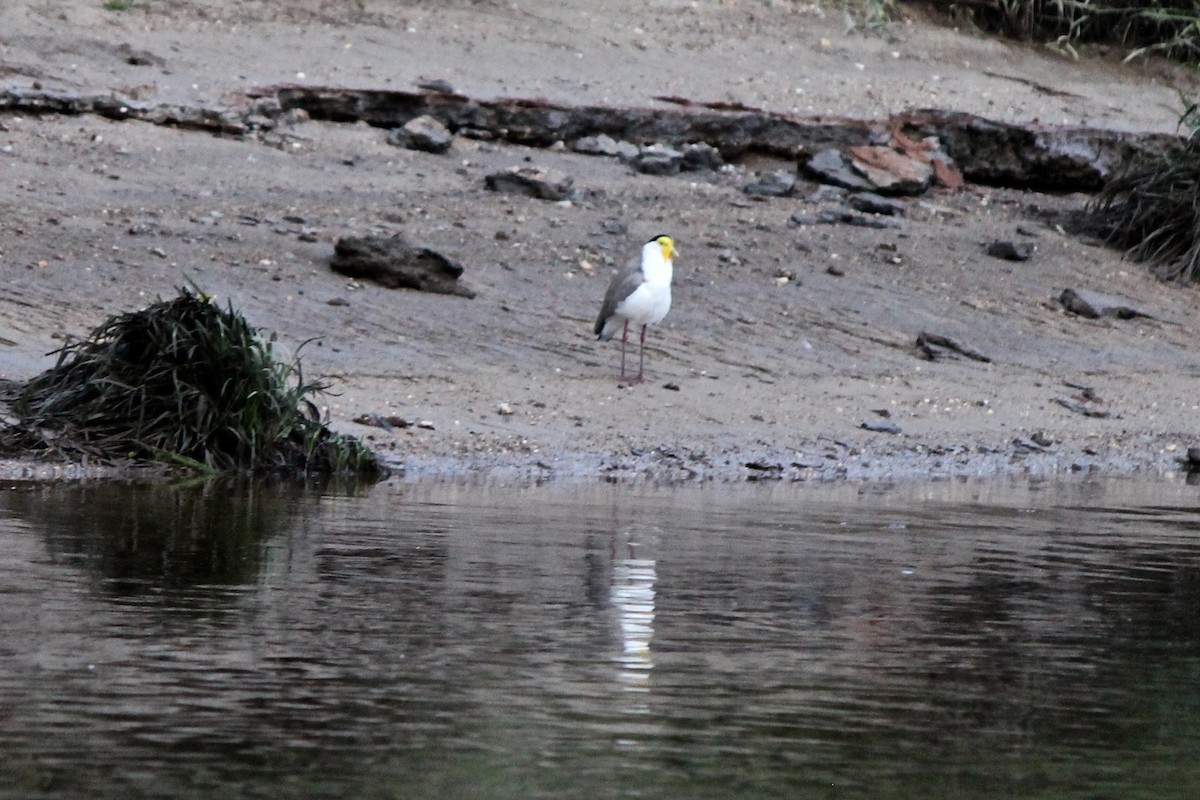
(667, 244)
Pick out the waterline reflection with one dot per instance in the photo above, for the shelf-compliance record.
(612, 641)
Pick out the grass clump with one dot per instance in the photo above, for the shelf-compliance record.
(1169, 27)
(1152, 211)
(117, 5)
(181, 381)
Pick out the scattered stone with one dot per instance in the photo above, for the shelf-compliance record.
(1193, 458)
(1094, 304)
(1081, 407)
(388, 423)
(395, 263)
(615, 227)
(699, 156)
(674, 387)
(933, 346)
(544, 184)
(780, 183)
(830, 166)
(828, 194)
(422, 133)
(880, 426)
(658, 159)
(871, 203)
(843, 216)
(1023, 443)
(1010, 250)
(835, 270)
(139, 58)
(504, 410)
(1040, 438)
(337, 301)
(440, 85)
(891, 172)
(601, 145)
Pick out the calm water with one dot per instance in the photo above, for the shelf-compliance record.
(952, 641)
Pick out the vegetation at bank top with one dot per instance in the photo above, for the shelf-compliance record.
(1152, 211)
(1166, 27)
(182, 381)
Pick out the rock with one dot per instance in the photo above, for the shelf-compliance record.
(1094, 304)
(891, 172)
(699, 156)
(830, 166)
(1193, 458)
(826, 193)
(1009, 250)
(544, 184)
(843, 216)
(440, 85)
(658, 159)
(880, 426)
(1082, 407)
(871, 203)
(422, 133)
(933, 346)
(396, 263)
(139, 58)
(601, 145)
(780, 183)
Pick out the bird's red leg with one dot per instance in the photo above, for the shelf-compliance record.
(642, 354)
(624, 338)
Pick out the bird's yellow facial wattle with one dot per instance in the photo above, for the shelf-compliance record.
(668, 247)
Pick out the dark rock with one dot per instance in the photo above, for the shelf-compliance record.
(880, 426)
(1009, 250)
(422, 133)
(780, 183)
(544, 184)
(699, 156)
(139, 58)
(891, 172)
(658, 159)
(440, 85)
(1082, 407)
(830, 166)
(1193, 457)
(871, 203)
(1023, 443)
(843, 216)
(396, 263)
(1094, 304)
(1045, 157)
(932, 346)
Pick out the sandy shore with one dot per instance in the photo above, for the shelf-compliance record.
(783, 339)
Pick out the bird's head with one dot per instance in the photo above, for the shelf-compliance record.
(667, 244)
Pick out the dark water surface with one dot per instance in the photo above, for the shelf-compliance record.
(947, 641)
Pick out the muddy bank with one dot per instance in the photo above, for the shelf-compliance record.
(785, 336)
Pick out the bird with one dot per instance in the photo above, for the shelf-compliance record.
(640, 292)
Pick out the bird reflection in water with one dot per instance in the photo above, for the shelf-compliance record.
(633, 588)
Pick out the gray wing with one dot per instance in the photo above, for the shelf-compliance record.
(623, 284)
